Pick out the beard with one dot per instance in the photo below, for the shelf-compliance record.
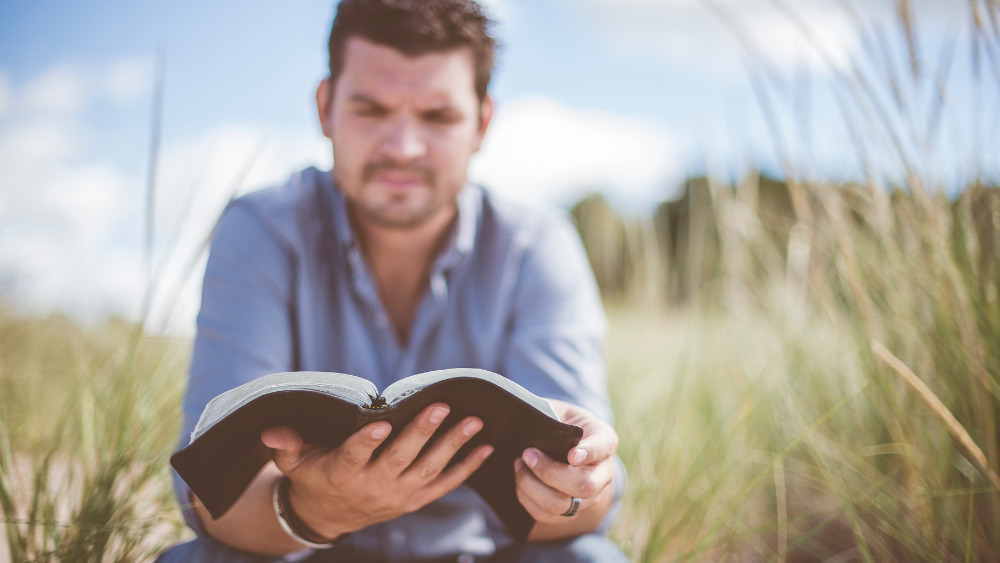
(373, 168)
(406, 209)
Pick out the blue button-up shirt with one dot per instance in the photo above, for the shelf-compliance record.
(287, 288)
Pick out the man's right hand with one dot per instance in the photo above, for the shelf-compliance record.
(345, 489)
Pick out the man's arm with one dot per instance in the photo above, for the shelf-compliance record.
(251, 524)
(245, 331)
(556, 351)
(346, 489)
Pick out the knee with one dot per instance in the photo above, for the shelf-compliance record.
(591, 548)
(206, 549)
(594, 548)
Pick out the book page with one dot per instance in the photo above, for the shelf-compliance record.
(347, 387)
(410, 385)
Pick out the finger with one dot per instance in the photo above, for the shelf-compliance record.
(287, 446)
(454, 476)
(281, 438)
(357, 450)
(599, 443)
(432, 462)
(584, 481)
(404, 449)
(525, 481)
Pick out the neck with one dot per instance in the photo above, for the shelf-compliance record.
(401, 259)
(409, 246)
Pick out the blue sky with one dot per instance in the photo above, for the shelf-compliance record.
(623, 96)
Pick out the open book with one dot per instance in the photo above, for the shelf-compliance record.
(225, 452)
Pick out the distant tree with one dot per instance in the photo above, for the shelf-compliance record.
(603, 234)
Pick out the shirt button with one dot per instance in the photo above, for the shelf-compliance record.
(397, 536)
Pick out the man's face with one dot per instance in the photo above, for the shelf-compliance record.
(403, 130)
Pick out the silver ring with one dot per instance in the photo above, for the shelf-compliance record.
(573, 508)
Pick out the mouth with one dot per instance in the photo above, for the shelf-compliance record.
(399, 180)
(396, 178)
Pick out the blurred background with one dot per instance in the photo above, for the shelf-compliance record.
(790, 207)
(623, 99)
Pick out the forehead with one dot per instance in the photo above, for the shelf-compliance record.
(385, 73)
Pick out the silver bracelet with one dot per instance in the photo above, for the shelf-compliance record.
(284, 511)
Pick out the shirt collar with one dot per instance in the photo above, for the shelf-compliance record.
(463, 237)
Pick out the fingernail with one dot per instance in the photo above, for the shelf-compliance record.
(486, 452)
(518, 464)
(438, 414)
(471, 427)
(273, 438)
(380, 432)
(577, 456)
(530, 457)
(267, 436)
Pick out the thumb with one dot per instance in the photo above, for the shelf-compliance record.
(287, 446)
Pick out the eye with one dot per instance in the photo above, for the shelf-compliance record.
(442, 116)
(370, 111)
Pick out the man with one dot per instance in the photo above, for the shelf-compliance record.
(389, 266)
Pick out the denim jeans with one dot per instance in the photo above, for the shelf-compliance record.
(591, 548)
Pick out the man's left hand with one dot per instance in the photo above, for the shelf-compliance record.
(546, 487)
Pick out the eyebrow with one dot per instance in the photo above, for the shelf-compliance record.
(359, 98)
(364, 99)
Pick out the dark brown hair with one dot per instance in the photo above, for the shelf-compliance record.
(416, 27)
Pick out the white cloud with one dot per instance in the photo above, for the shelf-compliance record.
(711, 36)
(542, 151)
(127, 79)
(29, 147)
(67, 89)
(60, 90)
(59, 214)
(86, 200)
(499, 10)
(6, 96)
(199, 175)
(72, 220)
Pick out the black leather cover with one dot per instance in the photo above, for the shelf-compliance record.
(220, 464)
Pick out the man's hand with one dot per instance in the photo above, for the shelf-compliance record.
(345, 489)
(546, 487)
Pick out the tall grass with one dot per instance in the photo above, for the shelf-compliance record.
(831, 393)
(828, 388)
(857, 418)
(87, 421)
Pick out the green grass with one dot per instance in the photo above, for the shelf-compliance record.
(829, 390)
(850, 409)
(764, 430)
(87, 421)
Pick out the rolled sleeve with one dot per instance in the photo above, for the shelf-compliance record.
(557, 333)
(244, 327)
(558, 325)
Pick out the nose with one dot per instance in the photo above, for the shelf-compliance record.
(405, 140)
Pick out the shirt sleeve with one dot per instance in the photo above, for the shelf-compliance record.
(244, 327)
(556, 346)
(557, 329)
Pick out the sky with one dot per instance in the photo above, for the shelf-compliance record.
(624, 97)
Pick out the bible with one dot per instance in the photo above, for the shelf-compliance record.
(225, 452)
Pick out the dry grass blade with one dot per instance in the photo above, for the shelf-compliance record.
(154, 159)
(904, 12)
(931, 400)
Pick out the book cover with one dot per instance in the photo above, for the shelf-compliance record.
(226, 453)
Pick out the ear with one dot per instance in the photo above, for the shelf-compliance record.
(485, 115)
(323, 103)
